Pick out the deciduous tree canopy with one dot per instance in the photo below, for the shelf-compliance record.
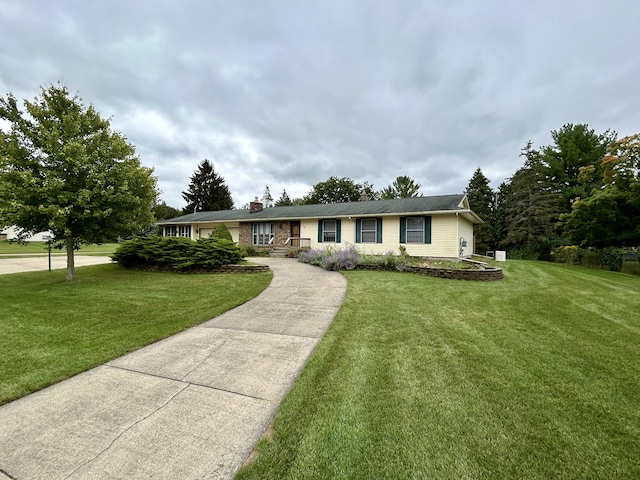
(63, 169)
(336, 190)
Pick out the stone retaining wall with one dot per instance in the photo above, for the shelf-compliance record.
(487, 274)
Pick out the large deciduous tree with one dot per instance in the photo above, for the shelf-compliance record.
(402, 187)
(63, 169)
(337, 190)
(610, 216)
(207, 191)
(162, 211)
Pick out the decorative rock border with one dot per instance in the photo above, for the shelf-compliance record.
(222, 269)
(483, 274)
(242, 268)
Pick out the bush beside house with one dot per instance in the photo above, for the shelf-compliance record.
(177, 253)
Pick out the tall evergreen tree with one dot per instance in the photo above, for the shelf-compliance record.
(402, 187)
(480, 198)
(575, 148)
(532, 206)
(284, 200)
(499, 209)
(207, 191)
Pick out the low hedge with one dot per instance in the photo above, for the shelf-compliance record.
(177, 253)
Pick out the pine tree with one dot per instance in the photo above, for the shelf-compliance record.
(402, 187)
(207, 191)
(532, 207)
(480, 198)
(284, 200)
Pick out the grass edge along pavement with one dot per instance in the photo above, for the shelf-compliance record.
(53, 329)
(532, 377)
(12, 248)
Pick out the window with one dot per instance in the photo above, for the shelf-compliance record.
(262, 233)
(369, 230)
(177, 231)
(415, 229)
(329, 231)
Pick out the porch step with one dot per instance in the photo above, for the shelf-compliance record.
(279, 252)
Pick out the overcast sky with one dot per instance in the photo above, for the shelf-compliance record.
(289, 93)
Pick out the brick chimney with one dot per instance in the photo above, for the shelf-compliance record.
(255, 206)
(363, 197)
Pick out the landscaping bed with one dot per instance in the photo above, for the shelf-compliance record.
(486, 274)
(352, 259)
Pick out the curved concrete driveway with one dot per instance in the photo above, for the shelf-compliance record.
(12, 264)
(191, 406)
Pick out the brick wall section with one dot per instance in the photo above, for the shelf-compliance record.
(244, 235)
(282, 231)
(489, 274)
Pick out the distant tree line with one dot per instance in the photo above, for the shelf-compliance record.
(583, 190)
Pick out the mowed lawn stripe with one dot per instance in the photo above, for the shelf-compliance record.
(53, 329)
(535, 376)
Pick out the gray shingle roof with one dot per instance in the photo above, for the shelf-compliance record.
(440, 203)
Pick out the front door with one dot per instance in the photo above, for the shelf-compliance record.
(295, 234)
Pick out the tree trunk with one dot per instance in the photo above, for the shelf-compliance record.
(71, 268)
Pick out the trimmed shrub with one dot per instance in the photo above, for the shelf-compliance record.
(177, 253)
(222, 232)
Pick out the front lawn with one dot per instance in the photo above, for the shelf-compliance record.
(53, 329)
(535, 376)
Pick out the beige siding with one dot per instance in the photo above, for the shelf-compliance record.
(466, 233)
(206, 229)
(446, 231)
(444, 237)
(205, 232)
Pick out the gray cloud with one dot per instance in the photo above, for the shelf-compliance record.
(287, 94)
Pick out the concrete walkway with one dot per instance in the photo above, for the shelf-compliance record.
(191, 406)
(32, 263)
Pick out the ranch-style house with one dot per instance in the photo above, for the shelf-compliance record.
(435, 226)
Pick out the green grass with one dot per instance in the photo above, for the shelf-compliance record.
(30, 248)
(53, 329)
(536, 376)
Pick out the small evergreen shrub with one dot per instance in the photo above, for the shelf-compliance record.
(222, 232)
